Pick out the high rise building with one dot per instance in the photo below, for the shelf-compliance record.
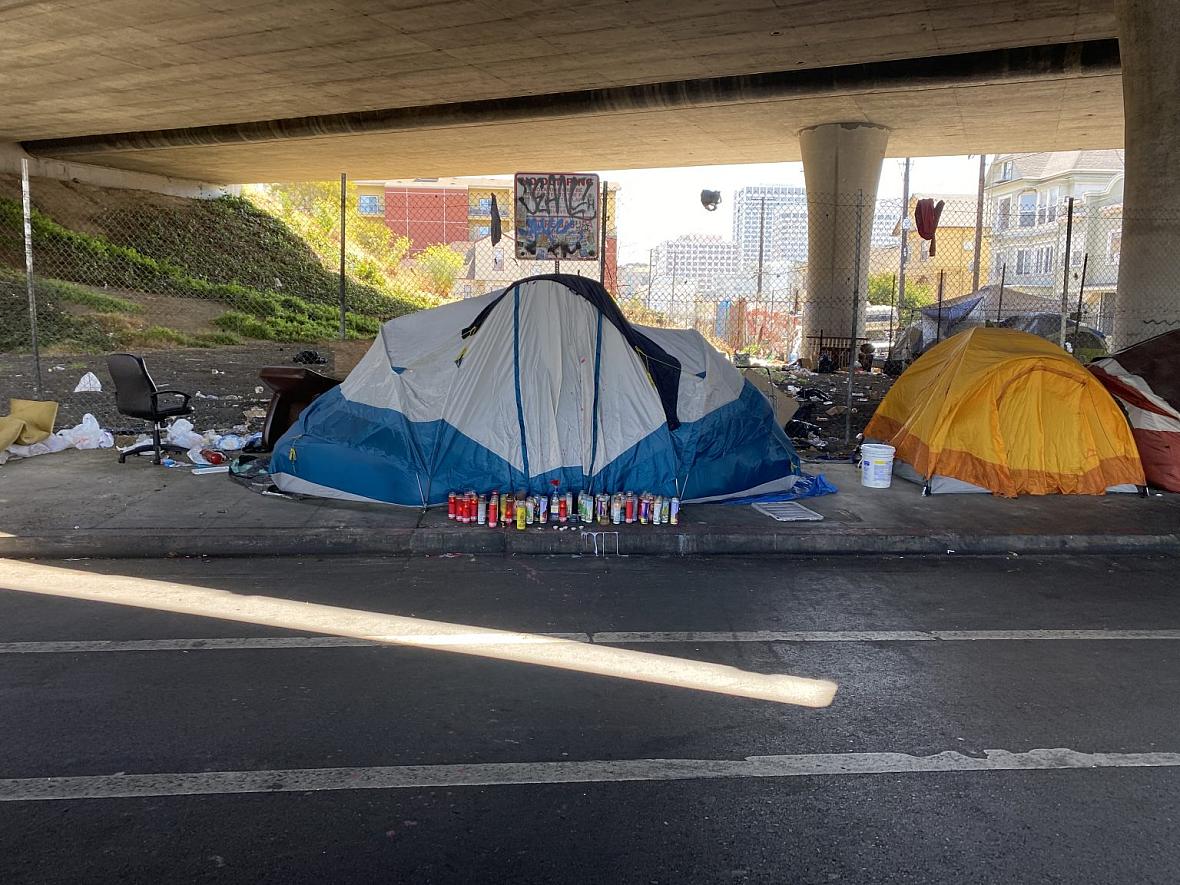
(885, 218)
(785, 231)
(702, 259)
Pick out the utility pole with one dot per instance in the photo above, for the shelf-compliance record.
(672, 299)
(650, 256)
(978, 227)
(905, 237)
(761, 242)
(739, 339)
(602, 240)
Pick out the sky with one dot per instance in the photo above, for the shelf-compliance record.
(661, 204)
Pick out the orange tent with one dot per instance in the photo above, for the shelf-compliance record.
(1009, 412)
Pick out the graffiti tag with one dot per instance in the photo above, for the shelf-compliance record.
(557, 216)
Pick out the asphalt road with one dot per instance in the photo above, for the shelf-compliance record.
(997, 720)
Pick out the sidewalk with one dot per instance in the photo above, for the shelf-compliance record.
(85, 504)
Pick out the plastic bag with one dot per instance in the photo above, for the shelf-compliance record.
(89, 383)
(229, 442)
(180, 432)
(52, 443)
(87, 435)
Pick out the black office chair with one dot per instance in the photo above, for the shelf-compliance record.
(137, 396)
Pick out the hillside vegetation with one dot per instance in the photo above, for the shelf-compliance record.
(103, 256)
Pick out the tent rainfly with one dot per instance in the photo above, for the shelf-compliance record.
(1002, 411)
(540, 384)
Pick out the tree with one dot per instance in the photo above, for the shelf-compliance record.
(373, 253)
(880, 291)
(917, 295)
(638, 312)
(880, 287)
(440, 264)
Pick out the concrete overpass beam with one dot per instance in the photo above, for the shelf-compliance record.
(841, 161)
(1148, 300)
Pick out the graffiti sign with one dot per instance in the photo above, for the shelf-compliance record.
(556, 216)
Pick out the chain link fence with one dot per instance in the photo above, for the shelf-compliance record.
(1030, 268)
(210, 291)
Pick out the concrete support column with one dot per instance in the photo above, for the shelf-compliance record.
(840, 160)
(1148, 301)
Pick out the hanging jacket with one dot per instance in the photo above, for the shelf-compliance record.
(926, 215)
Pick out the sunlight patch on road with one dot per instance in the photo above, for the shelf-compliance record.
(528, 648)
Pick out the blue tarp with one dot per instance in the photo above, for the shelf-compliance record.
(806, 486)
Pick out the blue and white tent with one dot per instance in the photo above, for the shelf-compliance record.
(544, 380)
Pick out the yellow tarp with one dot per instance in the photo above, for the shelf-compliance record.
(28, 422)
(1010, 412)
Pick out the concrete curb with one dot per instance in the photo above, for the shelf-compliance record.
(353, 541)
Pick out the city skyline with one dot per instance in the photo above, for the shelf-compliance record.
(661, 204)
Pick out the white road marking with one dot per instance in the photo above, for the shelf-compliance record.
(516, 773)
(623, 637)
(605, 638)
(226, 644)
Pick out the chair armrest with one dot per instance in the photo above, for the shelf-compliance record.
(186, 396)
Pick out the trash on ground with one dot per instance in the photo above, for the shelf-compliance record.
(309, 358)
(88, 383)
(205, 471)
(180, 432)
(229, 442)
(812, 395)
(207, 457)
(788, 511)
(85, 435)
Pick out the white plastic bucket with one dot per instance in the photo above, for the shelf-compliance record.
(876, 465)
